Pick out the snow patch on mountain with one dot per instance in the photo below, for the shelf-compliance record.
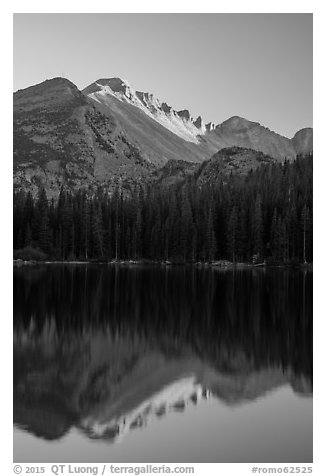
(178, 122)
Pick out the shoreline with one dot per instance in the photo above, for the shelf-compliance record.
(220, 264)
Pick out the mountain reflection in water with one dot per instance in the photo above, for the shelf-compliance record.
(108, 349)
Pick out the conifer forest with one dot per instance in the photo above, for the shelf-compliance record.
(264, 216)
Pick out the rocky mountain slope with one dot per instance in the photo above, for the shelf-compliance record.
(111, 133)
(303, 141)
(240, 132)
(231, 160)
(60, 138)
(235, 131)
(178, 122)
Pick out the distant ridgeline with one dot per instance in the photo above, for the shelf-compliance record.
(110, 133)
(186, 213)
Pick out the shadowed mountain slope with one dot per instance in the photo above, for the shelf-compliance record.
(303, 141)
(232, 160)
(240, 132)
(62, 138)
(110, 133)
(235, 131)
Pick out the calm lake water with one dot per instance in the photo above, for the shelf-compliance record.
(162, 364)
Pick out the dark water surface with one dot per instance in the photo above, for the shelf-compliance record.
(162, 364)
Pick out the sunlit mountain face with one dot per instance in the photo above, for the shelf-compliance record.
(102, 350)
(111, 133)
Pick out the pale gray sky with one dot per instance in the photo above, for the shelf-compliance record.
(258, 66)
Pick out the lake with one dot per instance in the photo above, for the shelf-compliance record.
(130, 363)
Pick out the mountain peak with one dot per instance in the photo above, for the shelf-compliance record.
(305, 131)
(198, 122)
(179, 122)
(237, 122)
(49, 93)
(184, 113)
(49, 84)
(303, 141)
(117, 85)
(111, 131)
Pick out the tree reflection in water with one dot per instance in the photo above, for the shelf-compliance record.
(108, 348)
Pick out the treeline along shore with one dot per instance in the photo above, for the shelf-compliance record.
(264, 217)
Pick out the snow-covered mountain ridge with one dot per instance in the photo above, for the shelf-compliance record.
(180, 123)
(110, 132)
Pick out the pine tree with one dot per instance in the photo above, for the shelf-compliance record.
(257, 228)
(305, 218)
(96, 224)
(186, 228)
(210, 237)
(85, 226)
(43, 231)
(275, 237)
(232, 234)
